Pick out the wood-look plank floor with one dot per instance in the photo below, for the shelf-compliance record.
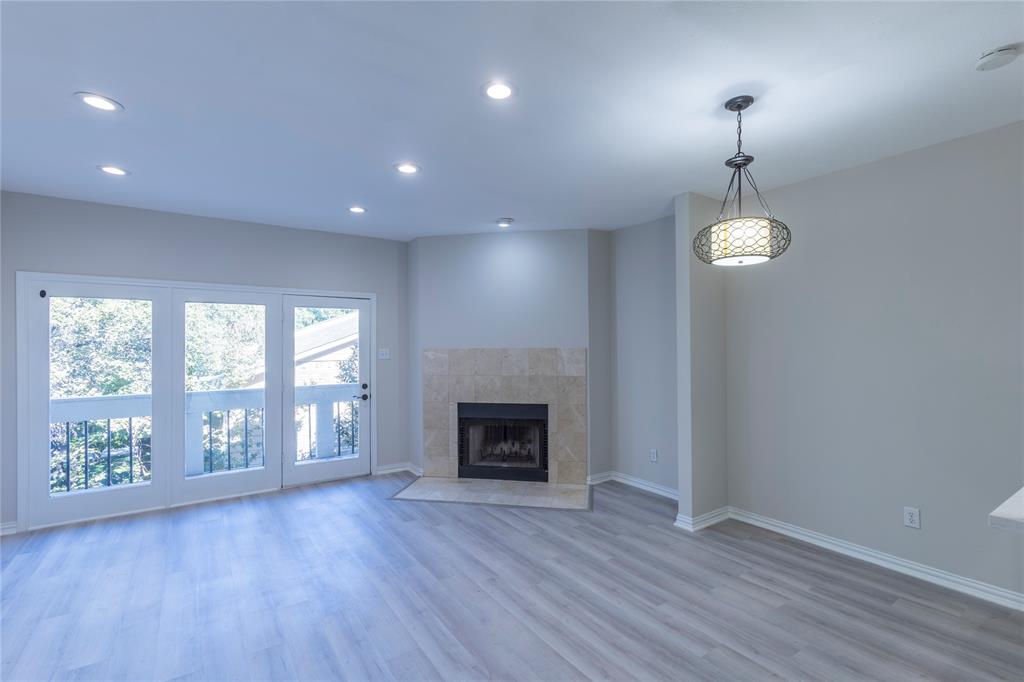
(338, 581)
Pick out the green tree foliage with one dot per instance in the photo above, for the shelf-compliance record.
(100, 346)
(224, 345)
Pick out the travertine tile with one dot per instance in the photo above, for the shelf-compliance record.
(462, 361)
(478, 491)
(435, 443)
(435, 415)
(572, 362)
(572, 472)
(515, 362)
(435, 388)
(514, 389)
(543, 361)
(489, 361)
(488, 389)
(570, 446)
(543, 389)
(572, 417)
(436, 466)
(461, 389)
(572, 390)
(435, 362)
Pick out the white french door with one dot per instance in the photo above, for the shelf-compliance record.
(326, 388)
(228, 393)
(146, 395)
(99, 399)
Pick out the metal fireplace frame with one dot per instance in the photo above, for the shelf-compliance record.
(473, 411)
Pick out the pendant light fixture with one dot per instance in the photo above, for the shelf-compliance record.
(737, 238)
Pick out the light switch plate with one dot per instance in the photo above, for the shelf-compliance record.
(383, 353)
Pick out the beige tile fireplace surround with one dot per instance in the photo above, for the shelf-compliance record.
(553, 376)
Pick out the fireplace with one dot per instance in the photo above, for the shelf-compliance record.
(503, 440)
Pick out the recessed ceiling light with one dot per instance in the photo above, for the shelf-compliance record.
(113, 170)
(498, 90)
(406, 168)
(356, 209)
(99, 101)
(504, 222)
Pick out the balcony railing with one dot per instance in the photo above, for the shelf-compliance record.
(106, 441)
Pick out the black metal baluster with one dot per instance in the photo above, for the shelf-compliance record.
(67, 456)
(109, 482)
(245, 448)
(227, 430)
(337, 425)
(131, 458)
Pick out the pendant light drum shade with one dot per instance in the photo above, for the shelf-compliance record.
(746, 240)
(741, 239)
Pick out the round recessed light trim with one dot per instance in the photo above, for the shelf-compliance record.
(356, 209)
(99, 101)
(499, 90)
(505, 222)
(114, 170)
(997, 58)
(407, 168)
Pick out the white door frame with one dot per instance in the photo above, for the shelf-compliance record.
(219, 485)
(28, 283)
(34, 455)
(316, 470)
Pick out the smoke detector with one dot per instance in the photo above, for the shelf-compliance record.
(997, 58)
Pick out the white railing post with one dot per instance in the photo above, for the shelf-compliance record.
(195, 448)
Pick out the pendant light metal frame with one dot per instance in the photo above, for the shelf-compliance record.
(741, 239)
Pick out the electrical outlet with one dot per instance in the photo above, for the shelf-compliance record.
(654, 455)
(911, 517)
(383, 353)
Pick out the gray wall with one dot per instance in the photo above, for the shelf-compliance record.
(878, 363)
(506, 289)
(644, 371)
(57, 235)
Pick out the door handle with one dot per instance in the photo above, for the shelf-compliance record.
(364, 396)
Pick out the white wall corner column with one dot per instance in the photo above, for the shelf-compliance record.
(700, 371)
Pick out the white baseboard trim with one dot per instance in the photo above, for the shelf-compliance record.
(662, 490)
(9, 528)
(702, 521)
(975, 588)
(401, 466)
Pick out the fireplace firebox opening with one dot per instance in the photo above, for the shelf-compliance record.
(503, 440)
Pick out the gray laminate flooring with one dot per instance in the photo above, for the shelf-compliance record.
(339, 581)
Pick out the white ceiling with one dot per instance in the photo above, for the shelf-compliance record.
(287, 113)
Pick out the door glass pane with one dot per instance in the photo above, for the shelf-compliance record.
(225, 381)
(326, 383)
(101, 383)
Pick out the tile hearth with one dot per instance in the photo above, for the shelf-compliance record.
(514, 493)
(556, 377)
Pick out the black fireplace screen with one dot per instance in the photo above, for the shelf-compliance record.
(503, 441)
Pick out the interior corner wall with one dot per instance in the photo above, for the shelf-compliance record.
(878, 363)
(601, 354)
(46, 234)
(644, 366)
